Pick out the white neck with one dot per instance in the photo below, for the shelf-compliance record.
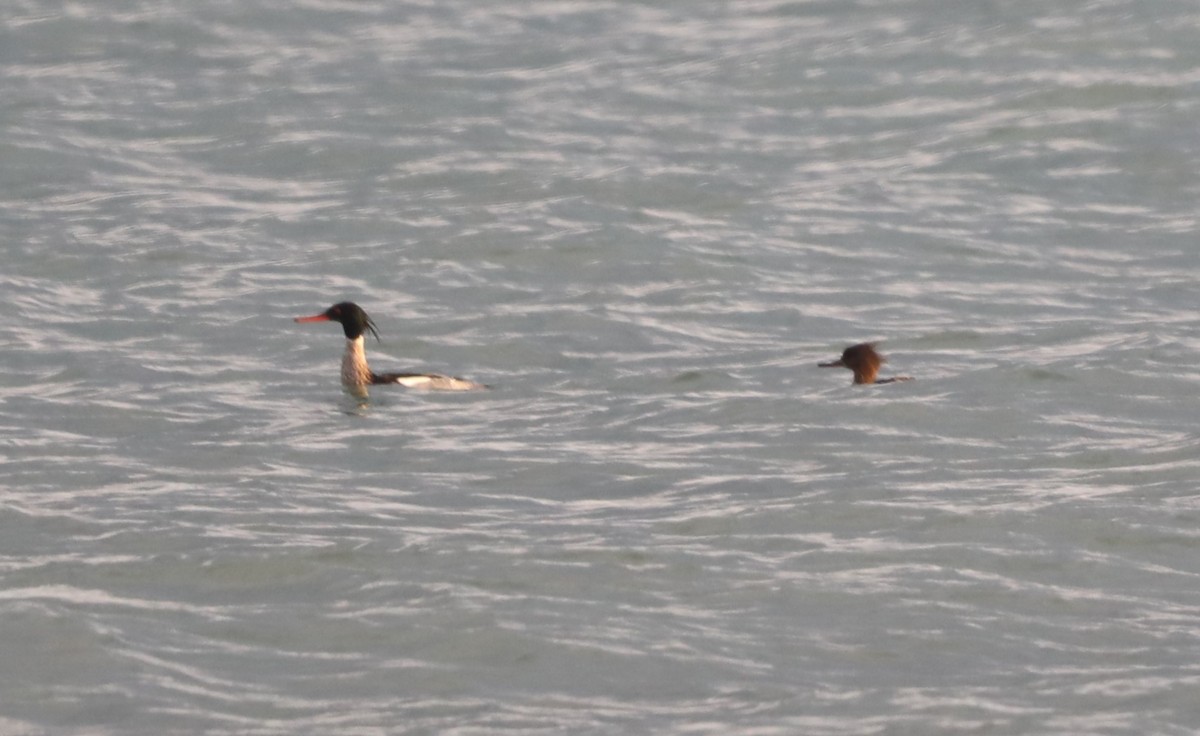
(355, 373)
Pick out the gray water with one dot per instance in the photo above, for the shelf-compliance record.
(644, 223)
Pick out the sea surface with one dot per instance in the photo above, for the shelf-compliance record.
(644, 224)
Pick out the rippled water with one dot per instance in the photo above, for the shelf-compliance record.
(645, 223)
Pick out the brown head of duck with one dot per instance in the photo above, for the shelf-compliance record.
(865, 362)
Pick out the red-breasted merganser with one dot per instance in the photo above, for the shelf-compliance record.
(356, 375)
(865, 362)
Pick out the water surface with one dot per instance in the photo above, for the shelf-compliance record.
(644, 223)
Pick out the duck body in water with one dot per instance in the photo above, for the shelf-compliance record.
(865, 362)
(357, 375)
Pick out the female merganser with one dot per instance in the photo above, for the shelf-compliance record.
(865, 362)
(356, 375)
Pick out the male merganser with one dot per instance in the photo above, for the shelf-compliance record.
(356, 375)
(865, 362)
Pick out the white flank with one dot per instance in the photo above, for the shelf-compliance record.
(439, 383)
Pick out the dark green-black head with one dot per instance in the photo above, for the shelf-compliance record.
(353, 319)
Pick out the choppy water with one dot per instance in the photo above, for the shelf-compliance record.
(645, 223)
